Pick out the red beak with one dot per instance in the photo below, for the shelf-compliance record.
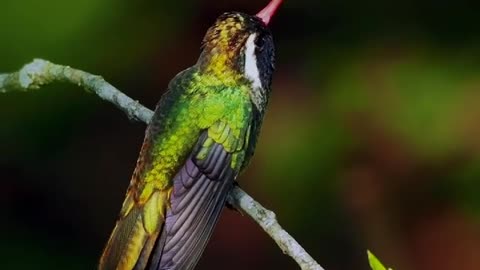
(267, 13)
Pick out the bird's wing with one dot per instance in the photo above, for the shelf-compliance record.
(159, 235)
(199, 193)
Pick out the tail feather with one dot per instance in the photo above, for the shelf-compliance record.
(130, 244)
(145, 256)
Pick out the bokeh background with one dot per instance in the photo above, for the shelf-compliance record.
(372, 139)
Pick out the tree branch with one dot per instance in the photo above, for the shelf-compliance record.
(40, 72)
(268, 221)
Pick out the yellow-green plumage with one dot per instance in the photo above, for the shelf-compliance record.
(203, 131)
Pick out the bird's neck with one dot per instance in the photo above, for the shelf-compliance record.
(221, 65)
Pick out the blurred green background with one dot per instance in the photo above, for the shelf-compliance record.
(372, 139)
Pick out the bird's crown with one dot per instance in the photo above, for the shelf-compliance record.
(239, 46)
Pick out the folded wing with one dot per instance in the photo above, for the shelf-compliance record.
(200, 189)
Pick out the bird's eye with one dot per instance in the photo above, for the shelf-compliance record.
(260, 44)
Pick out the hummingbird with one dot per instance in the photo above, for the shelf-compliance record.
(201, 137)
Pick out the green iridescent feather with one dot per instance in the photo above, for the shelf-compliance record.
(193, 104)
(202, 134)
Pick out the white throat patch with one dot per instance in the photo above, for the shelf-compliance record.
(251, 68)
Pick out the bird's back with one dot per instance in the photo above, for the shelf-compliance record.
(193, 150)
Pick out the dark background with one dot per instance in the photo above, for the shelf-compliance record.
(371, 140)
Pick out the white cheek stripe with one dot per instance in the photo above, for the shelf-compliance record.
(251, 68)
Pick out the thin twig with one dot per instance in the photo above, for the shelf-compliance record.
(41, 72)
(268, 221)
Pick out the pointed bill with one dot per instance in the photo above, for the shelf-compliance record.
(267, 13)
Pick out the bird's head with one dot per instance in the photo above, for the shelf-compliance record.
(241, 45)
